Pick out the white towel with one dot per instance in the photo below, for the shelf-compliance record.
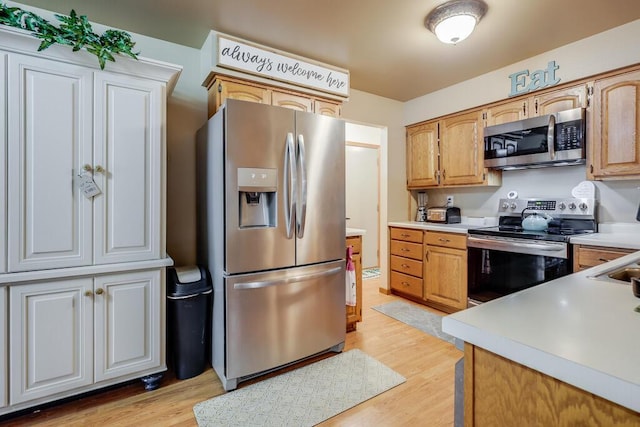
(350, 278)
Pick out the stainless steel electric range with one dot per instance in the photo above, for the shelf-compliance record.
(511, 257)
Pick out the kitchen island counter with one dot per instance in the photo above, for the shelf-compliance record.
(575, 329)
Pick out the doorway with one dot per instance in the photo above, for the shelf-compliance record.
(362, 162)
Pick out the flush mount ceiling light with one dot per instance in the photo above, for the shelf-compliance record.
(455, 20)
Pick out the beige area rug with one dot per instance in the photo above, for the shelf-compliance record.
(303, 397)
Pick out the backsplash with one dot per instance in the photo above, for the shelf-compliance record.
(617, 200)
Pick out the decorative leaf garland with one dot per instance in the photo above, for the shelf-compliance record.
(74, 31)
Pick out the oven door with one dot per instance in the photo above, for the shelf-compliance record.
(498, 267)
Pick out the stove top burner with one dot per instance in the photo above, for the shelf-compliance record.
(569, 217)
(517, 232)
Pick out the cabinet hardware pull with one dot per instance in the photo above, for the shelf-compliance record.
(88, 293)
(100, 169)
(87, 168)
(405, 283)
(99, 291)
(443, 240)
(404, 266)
(405, 235)
(404, 249)
(603, 259)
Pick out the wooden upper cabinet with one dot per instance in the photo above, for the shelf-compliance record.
(289, 100)
(559, 100)
(225, 87)
(325, 108)
(461, 149)
(506, 112)
(222, 89)
(614, 134)
(547, 102)
(422, 155)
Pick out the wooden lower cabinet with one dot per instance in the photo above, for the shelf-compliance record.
(585, 256)
(406, 262)
(445, 270)
(354, 313)
(67, 335)
(500, 392)
(429, 267)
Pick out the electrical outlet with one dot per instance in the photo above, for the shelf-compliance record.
(449, 201)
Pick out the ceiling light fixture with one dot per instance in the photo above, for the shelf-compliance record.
(455, 20)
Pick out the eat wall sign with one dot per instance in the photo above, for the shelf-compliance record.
(525, 81)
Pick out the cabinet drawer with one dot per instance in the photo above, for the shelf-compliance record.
(356, 242)
(406, 249)
(449, 240)
(589, 256)
(407, 235)
(407, 284)
(406, 265)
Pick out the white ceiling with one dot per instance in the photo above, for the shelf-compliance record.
(383, 43)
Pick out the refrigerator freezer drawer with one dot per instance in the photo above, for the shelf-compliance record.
(278, 317)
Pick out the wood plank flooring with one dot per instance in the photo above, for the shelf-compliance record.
(425, 399)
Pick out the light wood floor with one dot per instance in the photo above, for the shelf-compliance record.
(426, 398)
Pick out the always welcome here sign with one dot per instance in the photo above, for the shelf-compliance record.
(242, 56)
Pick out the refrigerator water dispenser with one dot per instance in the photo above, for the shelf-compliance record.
(257, 197)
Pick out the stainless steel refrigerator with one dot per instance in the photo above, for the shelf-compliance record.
(271, 231)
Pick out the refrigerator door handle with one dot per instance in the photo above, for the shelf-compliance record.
(266, 283)
(302, 205)
(290, 184)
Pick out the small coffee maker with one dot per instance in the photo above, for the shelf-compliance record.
(421, 213)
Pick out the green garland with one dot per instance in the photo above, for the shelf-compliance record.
(74, 31)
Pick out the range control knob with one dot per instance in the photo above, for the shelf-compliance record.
(572, 206)
(505, 206)
(513, 206)
(562, 206)
(583, 206)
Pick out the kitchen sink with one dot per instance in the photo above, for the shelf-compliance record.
(621, 274)
(625, 273)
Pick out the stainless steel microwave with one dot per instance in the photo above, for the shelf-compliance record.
(551, 140)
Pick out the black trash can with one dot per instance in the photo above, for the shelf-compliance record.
(188, 320)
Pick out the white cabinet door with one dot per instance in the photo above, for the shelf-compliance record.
(49, 132)
(3, 346)
(3, 162)
(128, 145)
(129, 320)
(50, 338)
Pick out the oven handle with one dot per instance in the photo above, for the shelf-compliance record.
(548, 249)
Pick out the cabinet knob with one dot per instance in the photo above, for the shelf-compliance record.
(88, 293)
(99, 291)
(87, 168)
(404, 266)
(100, 169)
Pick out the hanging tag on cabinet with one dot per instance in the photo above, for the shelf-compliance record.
(87, 185)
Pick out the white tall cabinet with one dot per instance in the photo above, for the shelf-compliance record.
(82, 274)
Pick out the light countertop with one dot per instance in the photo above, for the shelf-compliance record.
(617, 235)
(355, 232)
(577, 329)
(461, 228)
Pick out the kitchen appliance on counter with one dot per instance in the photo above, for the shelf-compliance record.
(509, 257)
(271, 223)
(444, 215)
(421, 213)
(551, 140)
